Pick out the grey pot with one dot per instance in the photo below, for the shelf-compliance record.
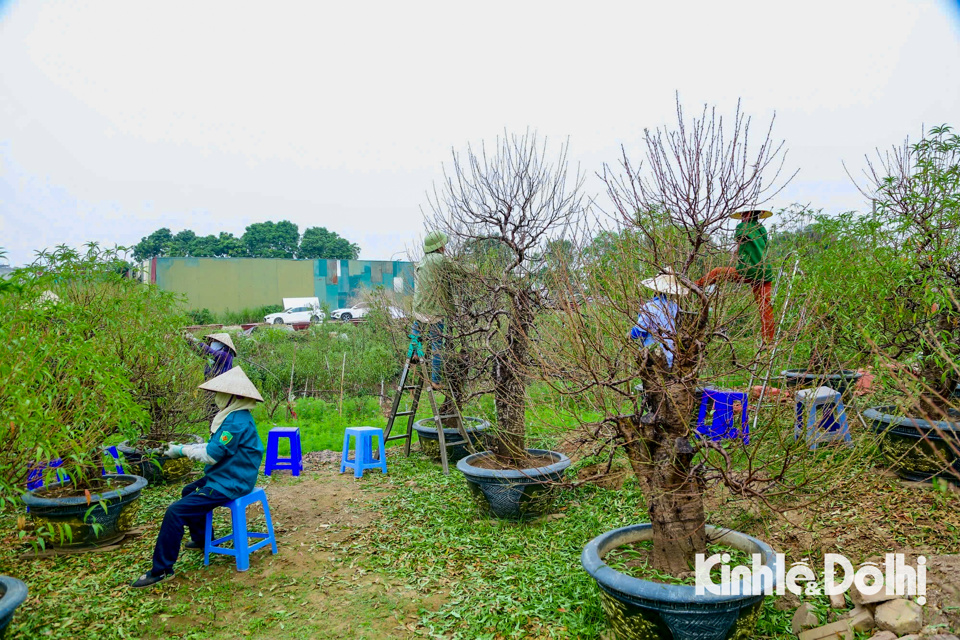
(430, 441)
(514, 493)
(639, 608)
(114, 512)
(12, 594)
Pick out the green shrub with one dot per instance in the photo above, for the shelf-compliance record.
(87, 355)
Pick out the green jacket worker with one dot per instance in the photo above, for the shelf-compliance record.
(752, 266)
(233, 456)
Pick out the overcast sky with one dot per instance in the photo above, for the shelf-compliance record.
(117, 118)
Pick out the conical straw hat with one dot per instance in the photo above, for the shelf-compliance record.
(234, 382)
(666, 283)
(762, 214)
(221, 337)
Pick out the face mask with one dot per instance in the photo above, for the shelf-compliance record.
(222, 399)
(216, 346)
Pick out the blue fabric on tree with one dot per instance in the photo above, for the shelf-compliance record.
(656, 325)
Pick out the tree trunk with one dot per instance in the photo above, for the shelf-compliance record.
(509, 390)
(658, 447)
(675, 505)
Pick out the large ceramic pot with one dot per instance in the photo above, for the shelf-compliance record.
(840, 381)
(514, 493)
(917, 449)
(640, 609)
(430, 441)
(114, 511)
(12, 594)
(157, 469)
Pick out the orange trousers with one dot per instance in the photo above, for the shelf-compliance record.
(761, 294)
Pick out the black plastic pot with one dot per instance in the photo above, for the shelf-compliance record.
(113, 510)
(157, 469)
(841, 381)
(917, 449)
(639, 608)
(430, 441)
(514, 493)
(12, 594)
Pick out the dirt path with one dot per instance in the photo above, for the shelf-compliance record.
(313, 588)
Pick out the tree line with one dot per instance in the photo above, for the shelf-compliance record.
(259, 240)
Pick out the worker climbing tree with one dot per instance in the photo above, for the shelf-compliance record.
(752, 266)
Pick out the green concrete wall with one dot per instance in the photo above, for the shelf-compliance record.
(232, 284)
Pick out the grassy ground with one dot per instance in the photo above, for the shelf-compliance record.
(409, 554)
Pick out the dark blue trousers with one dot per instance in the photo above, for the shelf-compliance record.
(435, 337)
(189, 511)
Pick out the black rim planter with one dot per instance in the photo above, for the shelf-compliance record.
(639, 608)
(430, 442)
(917, 449)
(156, 469)
(113, 510)
(12, 594)
(514, 493)
(839, 381)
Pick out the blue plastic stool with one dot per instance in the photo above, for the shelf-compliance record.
(723, 425)
(274, 462)
(363, 455)
(831, 427)
(116, 456)
(35, 477)
(240, 536)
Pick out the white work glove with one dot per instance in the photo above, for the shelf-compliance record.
(174, 450)
(197, 452)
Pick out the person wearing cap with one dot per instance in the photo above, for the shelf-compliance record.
(752, 266)
(432, 299)
(656, 322)
(232, 457)
(219, 349)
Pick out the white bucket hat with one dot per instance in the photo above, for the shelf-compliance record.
(666, 283)
(235, 382)
(223, 338)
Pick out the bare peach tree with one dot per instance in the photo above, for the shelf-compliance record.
(666, 218)
(502, 208)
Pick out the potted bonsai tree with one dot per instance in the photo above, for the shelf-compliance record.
(501, 209)
(62, 394)
(900, 305)
(637, 312)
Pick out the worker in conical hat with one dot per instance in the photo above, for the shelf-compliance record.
(752, 266)
(233, 456)
(656, 322)
(219, 349)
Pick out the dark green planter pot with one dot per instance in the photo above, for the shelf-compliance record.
(157, 469)
(514, 494)
(12, 594)
(643, 610)
(104, 520)
(916, 449)
(842, 381)
(430, 441)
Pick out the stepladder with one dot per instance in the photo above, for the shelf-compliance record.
(414, 379)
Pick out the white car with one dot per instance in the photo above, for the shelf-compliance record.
(359, 310)
(296, 314)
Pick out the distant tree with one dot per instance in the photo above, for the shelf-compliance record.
(157, 243)
(260, 240)
(272, 239)
(319, 243)
(183, 243)
(228, 245)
